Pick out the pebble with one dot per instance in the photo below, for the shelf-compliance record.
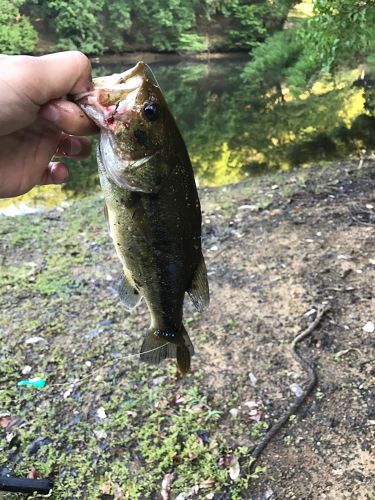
(296, 389)
(369, 327)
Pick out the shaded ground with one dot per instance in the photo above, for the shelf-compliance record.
(108, 427)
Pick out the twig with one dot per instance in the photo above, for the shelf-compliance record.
(313, 378)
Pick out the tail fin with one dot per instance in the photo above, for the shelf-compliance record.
(162, 344)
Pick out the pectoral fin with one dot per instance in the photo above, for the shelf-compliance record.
(128, 294)
(199, 291)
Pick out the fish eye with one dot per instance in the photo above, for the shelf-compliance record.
(151, 111)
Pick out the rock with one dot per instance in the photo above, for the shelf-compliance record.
(369, 327)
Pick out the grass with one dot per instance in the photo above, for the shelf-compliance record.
(57, 279)
(55, 286)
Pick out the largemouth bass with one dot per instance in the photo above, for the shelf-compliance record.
(152, 206)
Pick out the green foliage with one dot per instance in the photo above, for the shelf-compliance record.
(273, 59)
(97, 26)
(77, 24)
(248, 27)
(192, 42)
(166, 24)
(341, 31)
(16, 32)
(118, 19)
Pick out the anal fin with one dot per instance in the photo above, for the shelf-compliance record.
(199, 291)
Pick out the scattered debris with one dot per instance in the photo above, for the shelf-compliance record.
(203, 437)
(101, 413)
(166, 486)
(234, 469)
(100, 434)
(39, 383)
(234, 412)
(33, 473)
(369, 327)
(255, 410)
(253, 379)
(34, 340)
(296, 390)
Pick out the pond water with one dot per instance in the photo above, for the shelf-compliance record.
(233, 132)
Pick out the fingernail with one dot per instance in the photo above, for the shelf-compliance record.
(59, 173)
(50, 112)
(75, 146)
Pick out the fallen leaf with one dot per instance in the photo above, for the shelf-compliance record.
(101, 413)
(10, 436)
(68, 392)
(194, 490)
(234, 469)
(106, 488)
(4, 422)
(118, 492)
(166, 486)
(255, 409)
(33, 473)
(34, 340)
(159, 380)
(208, 483)
(100, 434)
(253, 379)
(177, 398)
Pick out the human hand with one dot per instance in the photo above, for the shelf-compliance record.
(36, 123)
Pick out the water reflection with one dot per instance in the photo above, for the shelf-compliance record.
(233, 130)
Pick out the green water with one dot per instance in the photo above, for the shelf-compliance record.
(233, 132)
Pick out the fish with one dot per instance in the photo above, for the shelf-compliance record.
(151, 206)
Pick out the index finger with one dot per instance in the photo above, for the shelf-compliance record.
(60, 74)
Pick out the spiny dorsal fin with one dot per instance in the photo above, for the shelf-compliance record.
(199, 291)
(128, 294)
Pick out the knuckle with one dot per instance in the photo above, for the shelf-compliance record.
(82, 61)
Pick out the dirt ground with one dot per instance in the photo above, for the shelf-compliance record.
(276, 248)
(316, 245)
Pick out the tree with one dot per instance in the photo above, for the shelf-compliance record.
(16, 33)
(78, 24)
(341, 31)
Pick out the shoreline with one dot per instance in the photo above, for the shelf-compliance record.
(155, 57)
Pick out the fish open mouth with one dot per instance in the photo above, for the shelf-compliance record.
(114, 94)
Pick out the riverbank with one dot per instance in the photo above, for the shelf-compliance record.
(172, 57)
(107, 426)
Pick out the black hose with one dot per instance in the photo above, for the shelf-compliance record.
(20, 485)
